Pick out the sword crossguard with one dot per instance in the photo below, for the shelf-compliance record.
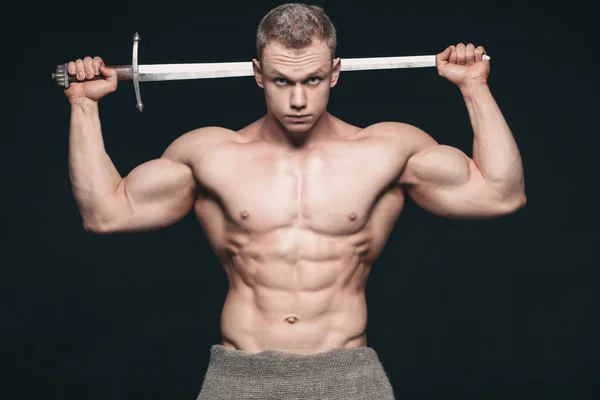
(136, 72)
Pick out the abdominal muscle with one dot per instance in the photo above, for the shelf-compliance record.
(296, 291)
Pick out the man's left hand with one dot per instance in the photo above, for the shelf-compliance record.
(463, 64)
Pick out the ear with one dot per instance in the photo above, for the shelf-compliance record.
(335, 71)
(257, 73)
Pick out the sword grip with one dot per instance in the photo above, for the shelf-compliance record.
(62, 78)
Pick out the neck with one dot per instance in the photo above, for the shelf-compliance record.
(273, 131)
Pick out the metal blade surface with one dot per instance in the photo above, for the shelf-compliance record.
(166, 72)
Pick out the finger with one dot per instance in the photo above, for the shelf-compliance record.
(444, 55)
(460, 54)
(109, 73)
(470, 54)
(452, 59)
(71, 68)
(79, 69)
(88, 68)
(479, 52)
(96, 63)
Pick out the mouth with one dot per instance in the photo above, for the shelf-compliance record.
(298, 118)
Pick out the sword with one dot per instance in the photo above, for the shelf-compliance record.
(170, 72)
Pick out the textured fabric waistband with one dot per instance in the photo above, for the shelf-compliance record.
(341, 373)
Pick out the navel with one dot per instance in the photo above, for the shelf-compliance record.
(244, 214)
(291, 320)
(352, 216)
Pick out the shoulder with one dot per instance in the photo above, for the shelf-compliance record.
(409, 138)
(200, 139)
(208, 134)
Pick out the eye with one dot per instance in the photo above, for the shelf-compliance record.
(280, 81)
(314, 79)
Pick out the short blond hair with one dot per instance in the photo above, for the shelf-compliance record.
(295, 25)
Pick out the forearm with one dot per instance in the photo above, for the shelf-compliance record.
(494, 148)
(92, 173)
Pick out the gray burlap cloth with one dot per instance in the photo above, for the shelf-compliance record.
(338, 374)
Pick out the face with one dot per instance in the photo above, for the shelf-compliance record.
(296, 82)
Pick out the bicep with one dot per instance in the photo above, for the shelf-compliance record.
(160, 192)
(152, 196)
(446, 182)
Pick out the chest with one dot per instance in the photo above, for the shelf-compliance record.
(331, 191)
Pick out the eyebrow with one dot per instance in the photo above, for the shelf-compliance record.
(319, 71)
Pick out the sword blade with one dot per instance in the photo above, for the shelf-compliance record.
(171, 72)
(168, 72)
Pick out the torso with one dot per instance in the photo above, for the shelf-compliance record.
(297, 234)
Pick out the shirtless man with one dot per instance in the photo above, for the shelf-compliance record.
(297, 206)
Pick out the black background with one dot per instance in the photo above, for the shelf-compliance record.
(488, 309)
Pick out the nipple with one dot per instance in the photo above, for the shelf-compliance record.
(291, 320)
(352, 216)
(244, 214)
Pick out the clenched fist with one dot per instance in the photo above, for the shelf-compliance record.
(463, 64)
(84, 89)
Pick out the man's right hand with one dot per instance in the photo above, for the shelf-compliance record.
(84, 89)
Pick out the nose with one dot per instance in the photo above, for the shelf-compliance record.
(298, 98)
